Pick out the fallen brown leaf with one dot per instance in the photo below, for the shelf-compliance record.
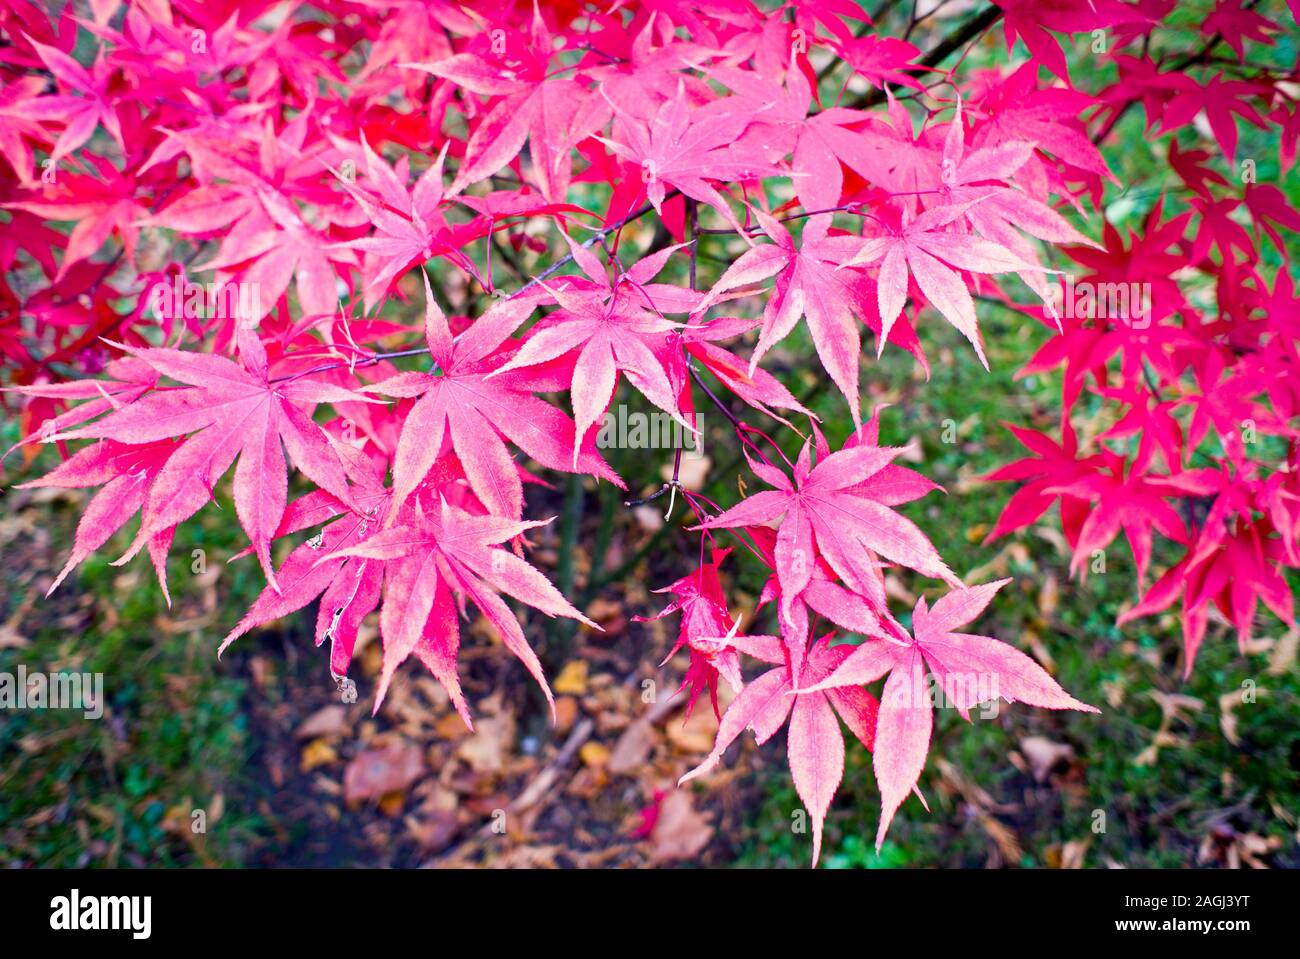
(1044, 756)
(1228, 704)
(325, 722)
(594, 755)
(696, 735)
(317, 753)
(375, 772)
(566, 711)
(451, 727)
(1282, 659)
(633, 748)
(487, 749)
(572, 680)
(680, 831)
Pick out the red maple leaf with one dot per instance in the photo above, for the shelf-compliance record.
(815, 745)
(550, 111)
(1222, 100)
(1030, 20)
(431, 557)
(100, 204)
(686, 150)
(409, 227)
(823, 514)
(817, 143)
(1231, 20)
(932, 255)
(1013, 109)
(1126, 497)
(807, 285)
(704, 631)
(697, 343)
(125, 472)
(231, 411)
(459, 404)
(349, 588)
(1053, 467)
(613, 329)
(83, 108)
(906, 718)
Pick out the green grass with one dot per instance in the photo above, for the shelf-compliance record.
(98, 792)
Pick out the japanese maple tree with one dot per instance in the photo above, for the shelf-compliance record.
(322, 164)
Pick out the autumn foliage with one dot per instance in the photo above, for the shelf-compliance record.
(213, 212)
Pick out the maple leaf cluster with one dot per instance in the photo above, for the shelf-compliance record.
(319, 155)
(1192, 450)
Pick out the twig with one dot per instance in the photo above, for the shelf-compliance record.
(540, 786)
